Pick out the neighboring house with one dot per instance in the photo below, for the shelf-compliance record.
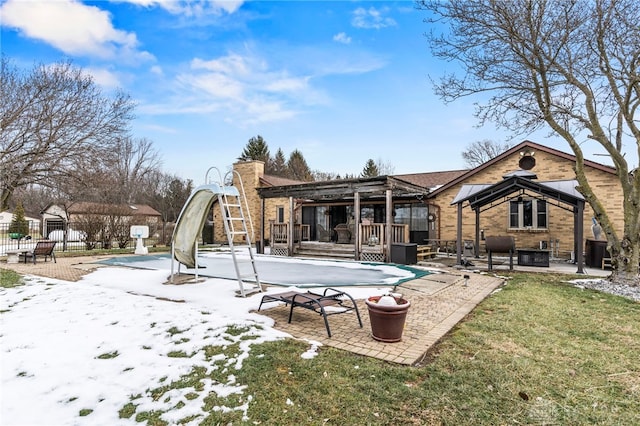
(422, 202)
(34, 221)
(54, 216)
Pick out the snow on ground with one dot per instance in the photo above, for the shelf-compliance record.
(92, 344)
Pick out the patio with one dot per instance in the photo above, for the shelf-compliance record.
(438, 303)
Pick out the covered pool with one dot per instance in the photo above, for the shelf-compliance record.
(282, 270)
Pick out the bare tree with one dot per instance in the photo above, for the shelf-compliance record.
(569, 66)
(168, 196)
(479, 152)
(53, 119)
(130, 163)
(385, 168)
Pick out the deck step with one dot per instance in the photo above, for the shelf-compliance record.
(325, 255)
(327, 251)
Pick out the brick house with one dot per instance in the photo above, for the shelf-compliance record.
(424, 204)
(548, 225)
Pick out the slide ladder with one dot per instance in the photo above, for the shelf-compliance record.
(232, 208)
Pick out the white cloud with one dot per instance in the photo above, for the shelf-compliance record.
(157, 70)
(160, 129)
(192, 7)
(72, 27)
(241, 87)
(104, 77)
(372, 18)
(342, 38)
(247, 88)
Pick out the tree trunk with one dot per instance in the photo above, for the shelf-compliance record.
(5, 196)
(625, 262)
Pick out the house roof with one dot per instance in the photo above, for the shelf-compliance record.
(130, 209)
(520, 147)
(432, 180)
(270, 180)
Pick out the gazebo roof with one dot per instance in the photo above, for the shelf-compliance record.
(344, 188)
(479, 195)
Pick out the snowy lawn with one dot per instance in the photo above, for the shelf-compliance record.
(120, 344)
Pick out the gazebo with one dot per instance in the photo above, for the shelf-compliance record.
(482, 197)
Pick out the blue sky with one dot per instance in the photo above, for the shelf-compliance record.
(340, 81)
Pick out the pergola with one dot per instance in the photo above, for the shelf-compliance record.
(342, 190)
(482, 197)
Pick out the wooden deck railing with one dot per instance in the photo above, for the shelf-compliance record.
(279, 232)
(375, 233)
(372, 236)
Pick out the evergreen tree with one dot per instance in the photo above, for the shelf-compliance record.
(298, 168)
(256, 149)
(278, 166)
(370, 169)
(19, 224)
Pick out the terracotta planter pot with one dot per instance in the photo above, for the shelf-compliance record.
(387, 321)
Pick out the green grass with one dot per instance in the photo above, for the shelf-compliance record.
(10, 279)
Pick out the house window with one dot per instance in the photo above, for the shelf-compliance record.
(528, 214)
(280, 214)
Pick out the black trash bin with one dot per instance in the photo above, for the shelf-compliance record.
(404, 253)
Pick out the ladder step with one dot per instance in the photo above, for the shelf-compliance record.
(249, 291)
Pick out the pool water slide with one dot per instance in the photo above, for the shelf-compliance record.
(192, 218)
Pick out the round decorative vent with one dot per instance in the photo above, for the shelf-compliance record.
(527, 162)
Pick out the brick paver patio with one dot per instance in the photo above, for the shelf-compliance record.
(438, 303)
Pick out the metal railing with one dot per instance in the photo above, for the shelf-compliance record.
(75, 240)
